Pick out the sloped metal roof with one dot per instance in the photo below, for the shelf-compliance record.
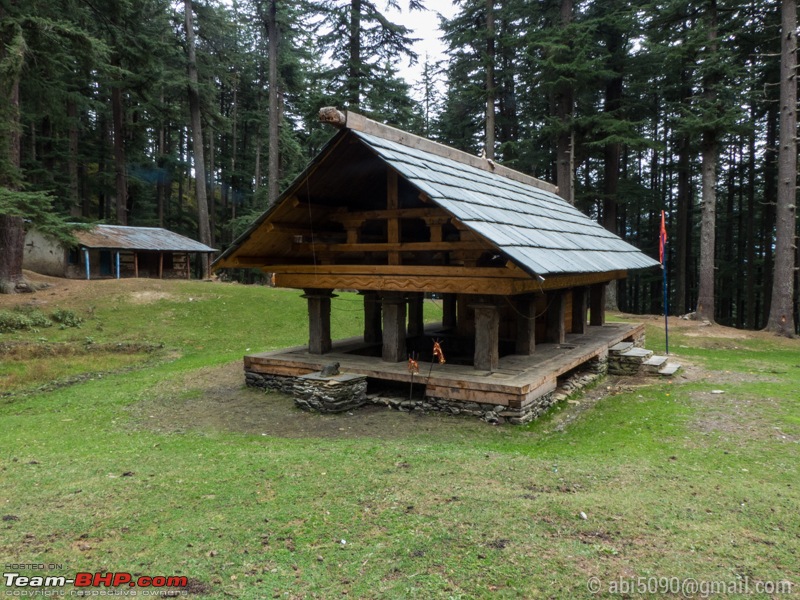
(534, 227)
(121, 237)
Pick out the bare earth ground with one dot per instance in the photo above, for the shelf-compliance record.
(58, 291)
(215, 398)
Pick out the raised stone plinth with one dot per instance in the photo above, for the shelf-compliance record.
(335, 394)
(627, 362)
(314, 392)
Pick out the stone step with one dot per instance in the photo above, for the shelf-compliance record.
(638, 355)
(669, 370)
(654, 364)
(620, 348)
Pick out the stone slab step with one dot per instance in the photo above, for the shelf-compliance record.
(669, 370)
(637, 354)
(654, 364)
(621, 347)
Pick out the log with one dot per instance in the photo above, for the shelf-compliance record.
(332, 116)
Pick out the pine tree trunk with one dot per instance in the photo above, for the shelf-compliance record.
(750, 241)
(212, 200)
(234, 148)
(120, 169)
(781, 313)
(162, 177)
(197, 141)
(12, 229)
(770, 195)
(611, 163)
(564, 102)
(490, 84)
(273, 181)
(72, 161)
(709, 148)
(354, 69)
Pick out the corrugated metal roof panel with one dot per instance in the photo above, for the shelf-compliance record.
(534, 227)
(138, 238)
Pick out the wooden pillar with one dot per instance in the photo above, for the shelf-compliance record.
(487, 337)
(597, 304)
(579, 308)
(393, 223)
(556, 332)
(161, 265)
(465, 321)
(394, 327)
(188, 271)
(449, 303)
(372, 318)
(416, 316)
(319, 320)
(136, 264)
(526, 324)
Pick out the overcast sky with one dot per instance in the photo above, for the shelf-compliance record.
(425, 25)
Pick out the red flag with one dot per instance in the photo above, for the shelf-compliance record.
(437, 352)
(662, 239)
(413, 366)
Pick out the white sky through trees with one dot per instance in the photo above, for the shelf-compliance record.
(424, 25)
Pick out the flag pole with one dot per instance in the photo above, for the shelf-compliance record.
(666, 307)
(663, 256)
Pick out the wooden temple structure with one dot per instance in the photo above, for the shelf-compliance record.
(520, 273)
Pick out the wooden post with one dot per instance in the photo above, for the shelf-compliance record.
(394, 327)
(136, 264)
(579, 308)
(416, 316)
(188, 271)
(449, 303)
(372, 318)
(487, 337)
(161, 265)
(597, 304)
(556, 332)
(319, 320)
(526, 324)
(465, 318)
(392, 224)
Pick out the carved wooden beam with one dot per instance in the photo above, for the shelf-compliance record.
(395, 247)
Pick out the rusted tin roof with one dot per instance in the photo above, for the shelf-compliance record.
(118, 237)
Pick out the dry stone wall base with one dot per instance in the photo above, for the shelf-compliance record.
(319, 396)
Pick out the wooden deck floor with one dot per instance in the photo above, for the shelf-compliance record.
(518, 380)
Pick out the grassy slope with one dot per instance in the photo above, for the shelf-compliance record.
(675, 481)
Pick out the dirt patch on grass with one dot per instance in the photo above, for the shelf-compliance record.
(82, 293)
(732, 416)
(216, 399)
(149, 297)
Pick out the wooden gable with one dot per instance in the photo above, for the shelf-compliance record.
(353, 223)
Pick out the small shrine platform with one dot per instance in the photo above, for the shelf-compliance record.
(519, 382)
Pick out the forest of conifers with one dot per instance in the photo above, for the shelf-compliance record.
(122, 107)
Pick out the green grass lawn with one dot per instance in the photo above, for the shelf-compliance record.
(119, 471)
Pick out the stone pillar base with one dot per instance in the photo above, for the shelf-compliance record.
(335, 394)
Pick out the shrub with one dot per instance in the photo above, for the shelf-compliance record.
(66, 318)
(23, 317)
